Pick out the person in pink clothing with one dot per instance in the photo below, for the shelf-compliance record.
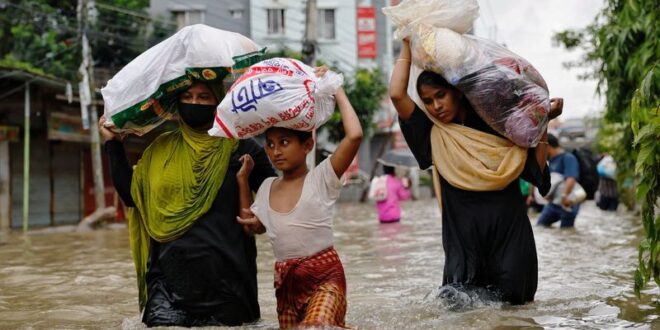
(389, 209)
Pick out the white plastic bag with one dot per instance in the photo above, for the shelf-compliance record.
(280, 92)
(456, 15)
(378, 188)
(607, 167)
(557, 184)
(502, 87)
(143, 94)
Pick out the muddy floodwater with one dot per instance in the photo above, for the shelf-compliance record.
(87, 281)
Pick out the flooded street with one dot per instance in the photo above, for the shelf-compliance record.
(87, 280)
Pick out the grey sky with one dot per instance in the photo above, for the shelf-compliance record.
(527, 27)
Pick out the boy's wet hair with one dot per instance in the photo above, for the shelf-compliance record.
(388, 169)
(301, 135)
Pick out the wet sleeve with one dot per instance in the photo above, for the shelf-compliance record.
(262, 166)
(330, 181)
(120, 171)
(532, 173)
(417, 132)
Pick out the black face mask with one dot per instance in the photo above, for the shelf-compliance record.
(196, 115)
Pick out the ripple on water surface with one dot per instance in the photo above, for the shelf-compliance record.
(87, 280)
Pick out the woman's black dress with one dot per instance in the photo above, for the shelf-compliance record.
(208, 276)
(487, 236)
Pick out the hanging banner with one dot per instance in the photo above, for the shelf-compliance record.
(9, 133)
(366, 32)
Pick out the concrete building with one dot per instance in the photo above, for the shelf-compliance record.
(223, 14)
(280, 24)
(350, 34)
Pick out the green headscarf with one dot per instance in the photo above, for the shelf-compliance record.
(174, 183)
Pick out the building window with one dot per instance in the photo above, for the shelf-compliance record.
(188, 17)
(236, 13)
(275, 21)
(326, 24)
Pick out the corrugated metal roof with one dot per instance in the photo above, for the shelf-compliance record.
(42, 79)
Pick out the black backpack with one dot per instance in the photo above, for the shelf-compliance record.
(588, 171)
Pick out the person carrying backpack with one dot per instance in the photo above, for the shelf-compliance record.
(566, 164)
(589, 176)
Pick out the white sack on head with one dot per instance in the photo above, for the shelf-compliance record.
(143, 94)
(280, 92)
(456, 15)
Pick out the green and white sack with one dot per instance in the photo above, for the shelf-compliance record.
(143, 94)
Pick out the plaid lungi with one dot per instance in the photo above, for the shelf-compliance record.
(311, 291)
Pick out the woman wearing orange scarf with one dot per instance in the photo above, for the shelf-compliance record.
(486, 234)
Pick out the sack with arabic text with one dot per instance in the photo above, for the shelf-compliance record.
(280, 92)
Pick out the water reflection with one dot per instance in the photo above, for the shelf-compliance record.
(86, 280)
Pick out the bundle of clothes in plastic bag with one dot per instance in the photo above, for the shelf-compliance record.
(502, 87)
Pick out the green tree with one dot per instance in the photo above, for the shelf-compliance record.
(37, 36)
(622, 54)
(645, 124)
(365, 90)
(43, 36)
(122, 30)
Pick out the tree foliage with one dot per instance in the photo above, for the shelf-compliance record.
(37, 36)
(365, 90)
(622, 54)
(43, 36)
(645, 124)
(122, 30)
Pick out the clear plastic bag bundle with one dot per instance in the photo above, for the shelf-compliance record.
(280, 92)
(505, 90)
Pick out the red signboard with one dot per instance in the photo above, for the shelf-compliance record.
(366, 32)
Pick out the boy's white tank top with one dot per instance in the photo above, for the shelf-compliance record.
(307, 228)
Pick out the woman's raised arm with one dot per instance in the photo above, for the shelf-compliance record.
(403, 104)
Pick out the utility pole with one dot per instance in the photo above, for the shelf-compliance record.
(309, 42)
(88, 98)
(26, 159)
(308, 53)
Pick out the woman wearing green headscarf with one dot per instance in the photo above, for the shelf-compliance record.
(195, 265)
